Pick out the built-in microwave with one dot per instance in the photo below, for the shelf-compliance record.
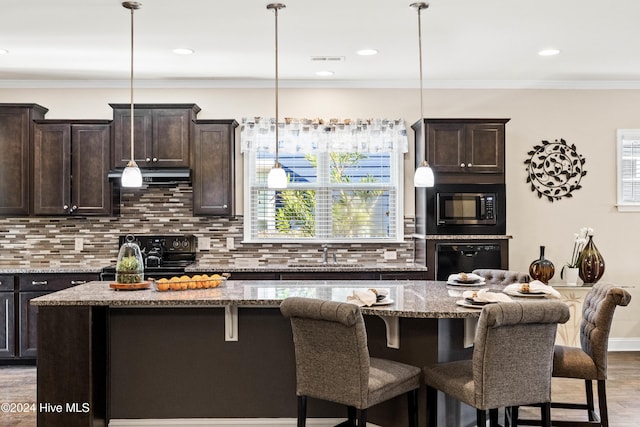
(466, 209)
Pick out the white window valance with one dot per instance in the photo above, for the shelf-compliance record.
(309, 136)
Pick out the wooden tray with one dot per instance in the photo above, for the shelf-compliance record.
(129, 286)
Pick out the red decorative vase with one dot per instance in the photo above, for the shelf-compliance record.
(542, 269)
(590, 263)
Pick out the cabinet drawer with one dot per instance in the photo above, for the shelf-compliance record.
(6, 282)
(54, 282)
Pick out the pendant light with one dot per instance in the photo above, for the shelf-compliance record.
(424, 174)
(131, 175)
(277, 178)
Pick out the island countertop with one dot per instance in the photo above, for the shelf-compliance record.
(411, 298)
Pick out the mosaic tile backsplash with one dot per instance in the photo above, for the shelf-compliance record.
(50, 242)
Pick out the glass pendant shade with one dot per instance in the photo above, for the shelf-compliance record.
(131, 176)
(277, 178)
(423, 176)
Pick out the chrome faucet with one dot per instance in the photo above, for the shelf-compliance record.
(325, 255)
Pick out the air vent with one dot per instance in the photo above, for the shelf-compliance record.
(327, 59)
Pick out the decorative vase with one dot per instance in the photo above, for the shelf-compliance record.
(570, 275)
(590, 263)
(542, 269)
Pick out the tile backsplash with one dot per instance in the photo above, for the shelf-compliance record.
(53, 242)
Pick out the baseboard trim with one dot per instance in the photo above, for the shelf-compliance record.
(226, 422)
(624, 344)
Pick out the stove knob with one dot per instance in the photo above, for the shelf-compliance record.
(175, 244)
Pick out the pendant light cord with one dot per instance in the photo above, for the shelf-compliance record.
(419, 7)
(276, 7)
(131, 87)
(277, 91)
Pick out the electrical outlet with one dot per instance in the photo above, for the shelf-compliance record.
(230, 243)
(390, 255)
(79, 243)
(204, 243)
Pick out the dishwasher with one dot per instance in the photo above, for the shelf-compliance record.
(465, 257)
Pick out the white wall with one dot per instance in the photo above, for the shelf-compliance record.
(586, 118)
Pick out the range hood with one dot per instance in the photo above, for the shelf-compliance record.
(157, 176)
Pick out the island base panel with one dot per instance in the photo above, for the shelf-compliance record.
(71, 367)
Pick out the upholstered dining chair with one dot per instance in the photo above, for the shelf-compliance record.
(502, 277)
(333, 363)
(511, 361)
(589, 362)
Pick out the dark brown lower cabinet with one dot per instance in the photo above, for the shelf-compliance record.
(28, 328)
(18, 318)
(7, 331)
(329, 275)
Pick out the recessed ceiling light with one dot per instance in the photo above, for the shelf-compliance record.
(183, 51)
(548, 52)
(367, 52)
(324, 73)
(3, 51)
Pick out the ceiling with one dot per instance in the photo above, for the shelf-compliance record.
(466, 43)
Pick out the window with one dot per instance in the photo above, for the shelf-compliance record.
(344, 181)
(628, 170)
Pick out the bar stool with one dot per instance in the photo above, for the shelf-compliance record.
(589, 362)
(511, 362)
(502, 277)
(333, 363)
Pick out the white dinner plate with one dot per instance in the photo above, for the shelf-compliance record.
(527, 295)
(456, 283)
(385, 301)
(466, 304)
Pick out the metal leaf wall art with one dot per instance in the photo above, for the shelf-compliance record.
(555, 169)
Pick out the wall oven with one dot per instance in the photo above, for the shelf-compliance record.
(466, 209)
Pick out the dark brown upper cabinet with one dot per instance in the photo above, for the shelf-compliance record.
(16, 133)
(162, 134)
(213, 170)
(70, 163)
(463, 150)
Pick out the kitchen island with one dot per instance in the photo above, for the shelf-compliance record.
(108, 356)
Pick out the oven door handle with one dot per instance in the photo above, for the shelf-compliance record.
(469, 253)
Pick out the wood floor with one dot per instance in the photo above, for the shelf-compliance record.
(18, 386)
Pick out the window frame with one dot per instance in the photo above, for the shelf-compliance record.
(396, 185)
(621, 136)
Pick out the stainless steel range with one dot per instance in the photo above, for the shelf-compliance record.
(164, 255)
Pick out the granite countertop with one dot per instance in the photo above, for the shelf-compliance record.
(52, 269)
(299, 266)
(414, 299)
(208, 266)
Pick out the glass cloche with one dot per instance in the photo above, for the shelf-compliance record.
(130, 265)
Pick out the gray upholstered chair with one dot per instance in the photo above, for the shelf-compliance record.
(511, 362)
(502, 277)
(589, 362)
(333, 363)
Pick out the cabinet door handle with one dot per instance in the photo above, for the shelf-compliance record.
(78, 282)
(224, 206)
(65, 207)
(461, 165)
(155, 159)
(148, 159)
(469, 165)
(40, 283)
